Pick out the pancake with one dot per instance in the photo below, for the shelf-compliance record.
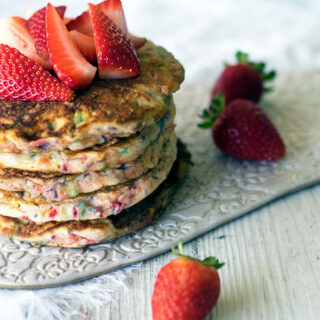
(96, 158)
(58, 187)
(96, 205)
(106, 110)
(77, 234)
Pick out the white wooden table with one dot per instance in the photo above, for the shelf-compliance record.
(272, 269)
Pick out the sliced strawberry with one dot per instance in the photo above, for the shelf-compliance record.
(113, 9)
(67, 20)
(116, 55)
(68, 62)
(37, 28)
(14, 33)
(85, 44)
(137, 41)
(22, 79)
(82, 24)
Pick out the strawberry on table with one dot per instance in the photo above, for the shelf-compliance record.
(37, 28)
(243, 130)
(68, 62)
(186, 288)
(22, 79)
(243, 80)
(14, 33)
(116, 55)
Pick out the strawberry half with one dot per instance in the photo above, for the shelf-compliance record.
(22, 79)
(68, 62)
(85, 44)
(14, 33)
(37, 28)
(67, 20)
(113, 9)
(243, 130)
(117, 58)
(82, 24)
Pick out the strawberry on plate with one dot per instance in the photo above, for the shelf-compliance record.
(22, 79)
(14, 33)
(186, 288)
(116, 54)
(68, 62)
(243, 80)
(243, 130)
(37, 28)
(85, 44)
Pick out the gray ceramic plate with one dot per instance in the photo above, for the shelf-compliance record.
(218, 189)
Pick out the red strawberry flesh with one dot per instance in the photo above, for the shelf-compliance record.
(14, 33)
(85, 44)
(37, 28)
(116, 55)
(82, 24)
(22, 79)
(68, 62)
(113, 9)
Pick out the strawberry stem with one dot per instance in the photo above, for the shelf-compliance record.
(210, 261)
(213, 262)
(243, 58)
(180, 247)
(210, 115)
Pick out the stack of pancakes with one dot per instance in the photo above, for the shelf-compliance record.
(96, 168)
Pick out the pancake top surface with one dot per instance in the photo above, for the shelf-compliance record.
(122, 105)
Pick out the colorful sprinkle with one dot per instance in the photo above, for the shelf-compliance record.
(78, 118)
(53, 213)
(124, 151)
(34, 154)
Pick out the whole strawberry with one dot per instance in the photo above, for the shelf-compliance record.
(243, 130)
(186, 288)
(243, 80)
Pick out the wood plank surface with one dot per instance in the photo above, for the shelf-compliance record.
(272, 266)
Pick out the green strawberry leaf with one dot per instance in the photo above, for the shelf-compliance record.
(210, 115)
(242, 57)
(210, 261)
(259, 66)
(270, 75)
(205, 125)
(213, 262)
